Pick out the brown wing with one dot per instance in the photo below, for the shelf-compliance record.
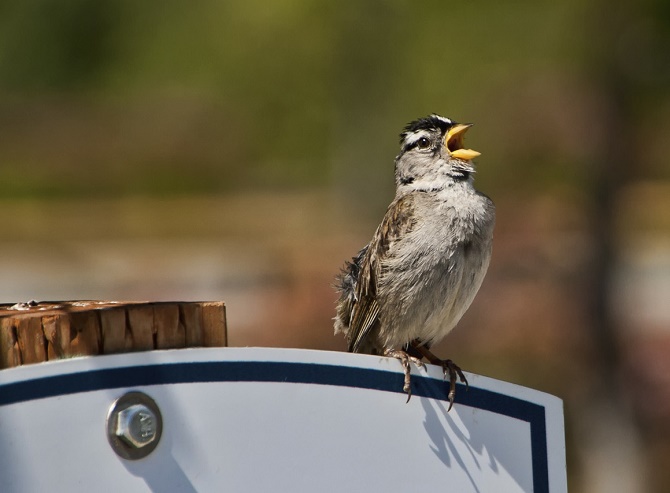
(398, 221)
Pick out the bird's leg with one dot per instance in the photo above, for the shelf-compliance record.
(405, 360)
(448, 367)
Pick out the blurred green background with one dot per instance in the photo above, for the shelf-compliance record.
(243, 150)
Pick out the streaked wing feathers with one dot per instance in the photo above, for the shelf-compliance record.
(398, 221)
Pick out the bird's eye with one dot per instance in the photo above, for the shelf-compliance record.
(422, 143)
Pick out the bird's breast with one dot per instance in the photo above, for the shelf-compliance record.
(432, 274)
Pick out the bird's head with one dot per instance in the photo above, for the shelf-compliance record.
(432, 154)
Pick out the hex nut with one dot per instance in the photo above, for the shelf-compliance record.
(136, 425)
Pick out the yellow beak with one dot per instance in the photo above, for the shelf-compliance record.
(453, 141)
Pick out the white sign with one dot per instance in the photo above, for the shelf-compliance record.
(272, 420)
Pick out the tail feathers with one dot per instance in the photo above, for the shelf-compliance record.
(346, 283)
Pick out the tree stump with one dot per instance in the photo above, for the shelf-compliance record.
(35, 332)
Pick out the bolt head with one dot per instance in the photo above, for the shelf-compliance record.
(136, 425)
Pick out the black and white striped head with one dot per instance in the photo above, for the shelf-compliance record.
(432, 152)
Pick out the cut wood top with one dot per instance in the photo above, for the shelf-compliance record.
(35, 332)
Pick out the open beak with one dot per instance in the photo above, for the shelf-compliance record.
(453, 141)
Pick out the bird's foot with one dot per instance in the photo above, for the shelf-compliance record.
(454, 371)
(405, 360)
(448, 367)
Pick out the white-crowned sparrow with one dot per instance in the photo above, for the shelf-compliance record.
(408, 287)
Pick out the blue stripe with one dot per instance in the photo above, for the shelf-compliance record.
(310, 373)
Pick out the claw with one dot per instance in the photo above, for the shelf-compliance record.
(405, 360)
(453, 370)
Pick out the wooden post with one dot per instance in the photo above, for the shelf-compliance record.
(35, 332)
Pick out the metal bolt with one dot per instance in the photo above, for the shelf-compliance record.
(136, 425)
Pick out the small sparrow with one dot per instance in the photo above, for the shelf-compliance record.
(408, 287)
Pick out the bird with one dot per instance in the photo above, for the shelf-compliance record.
(410, 285)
